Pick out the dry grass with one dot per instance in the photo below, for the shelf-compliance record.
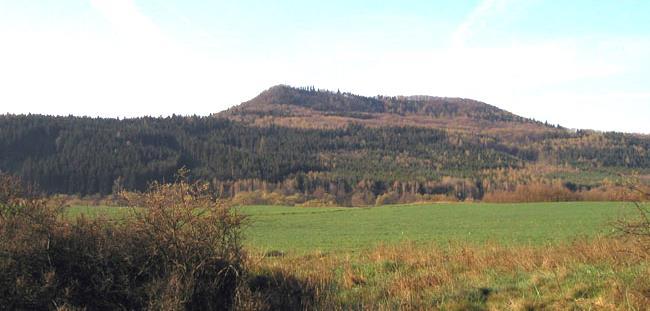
(610, 274)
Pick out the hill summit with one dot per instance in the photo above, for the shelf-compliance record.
(311, 108)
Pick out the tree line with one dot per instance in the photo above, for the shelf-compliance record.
(80, 155)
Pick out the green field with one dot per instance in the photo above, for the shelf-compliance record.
(299, 229)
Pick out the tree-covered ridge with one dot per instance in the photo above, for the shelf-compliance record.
(92, 155)
(337, 102)
(285, 101)
(351, 145)
(85, 155)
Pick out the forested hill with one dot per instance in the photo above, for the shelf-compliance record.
(311, 108)
(85, 155)
(236, 153)
(330, 102)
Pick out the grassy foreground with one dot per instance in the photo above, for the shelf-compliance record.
(441, 256)
(537, 256)
(597, 274)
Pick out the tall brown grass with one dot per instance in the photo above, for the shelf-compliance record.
(604, 274)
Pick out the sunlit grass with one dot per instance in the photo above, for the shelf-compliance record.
(351, 229)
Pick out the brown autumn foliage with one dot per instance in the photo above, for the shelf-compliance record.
(12, 189)
(294, 107)
(180, 251)
(534, 192)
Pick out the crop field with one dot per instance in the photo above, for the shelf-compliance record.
(302, 229)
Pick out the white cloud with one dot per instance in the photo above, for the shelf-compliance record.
(127, 20)
(478, 18)
(468, 72)
(604, 110)
(570, 81)
(132, 70)
(136, 69)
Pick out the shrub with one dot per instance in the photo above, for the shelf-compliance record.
(248, 198)
(318, 203)
(534, 192)
(387, 198)
(637, 228)
(274, 198)
(274, 289)
(11, 189)
(362, 198)
(179, 250)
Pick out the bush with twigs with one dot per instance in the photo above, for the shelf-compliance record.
(179, 250)
(637, 227)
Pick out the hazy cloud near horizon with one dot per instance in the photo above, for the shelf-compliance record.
(579, 64)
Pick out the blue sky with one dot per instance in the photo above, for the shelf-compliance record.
(582, 64)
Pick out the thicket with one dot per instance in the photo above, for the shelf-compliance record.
(259, 193)
(180, 250)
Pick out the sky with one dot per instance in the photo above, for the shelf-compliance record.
(580, 64)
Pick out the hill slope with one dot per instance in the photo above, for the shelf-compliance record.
(309, 108)
(305, 144)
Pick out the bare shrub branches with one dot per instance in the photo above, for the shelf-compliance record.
(180, 250)
(637, 227)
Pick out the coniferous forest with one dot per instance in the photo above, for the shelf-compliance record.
(356, 161)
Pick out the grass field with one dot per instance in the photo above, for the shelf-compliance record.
(348, 229)
(465, 256)
(304, 229)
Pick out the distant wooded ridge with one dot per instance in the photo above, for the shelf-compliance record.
(321, 144)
